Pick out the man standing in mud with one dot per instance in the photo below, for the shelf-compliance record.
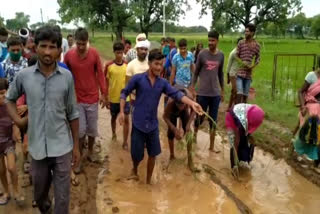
(85, 65)
(145, 131)
(53, 124)
(248, 51)
(209, 68)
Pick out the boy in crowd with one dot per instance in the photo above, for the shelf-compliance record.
(15, 61)
(173, 111)
(115, 73)
(85, 64)
(145, 132)
(248, 51)
(232, 69)
(182, 66)
(70, 41)
(9, 68)
(127, 47)
(3, 43)
(7, 150)
(209, 69)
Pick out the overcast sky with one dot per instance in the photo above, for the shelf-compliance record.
(50, 7)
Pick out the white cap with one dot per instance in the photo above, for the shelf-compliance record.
(143, 44)
(141, 36)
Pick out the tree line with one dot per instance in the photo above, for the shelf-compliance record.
(277, 18)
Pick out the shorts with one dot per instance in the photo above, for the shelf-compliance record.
(208, 102)
(243, 86)
(115, 109)
(6, 148)
(138, 141)
(88, 120)
(184, 116)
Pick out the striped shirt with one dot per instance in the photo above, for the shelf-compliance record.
(247, 52)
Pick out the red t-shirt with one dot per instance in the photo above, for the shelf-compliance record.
(88, 75)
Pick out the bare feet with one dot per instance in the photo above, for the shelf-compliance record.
(125, 146)
(235, 172)
(172, 157)
(214, 150)
(133, 176)
(114, 137)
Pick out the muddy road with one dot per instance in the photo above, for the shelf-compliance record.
(271, 186)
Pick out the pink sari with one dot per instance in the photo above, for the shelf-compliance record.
(311, 103)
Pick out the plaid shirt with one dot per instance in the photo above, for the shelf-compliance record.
(10, 70)
(246, 52)
(131, 55)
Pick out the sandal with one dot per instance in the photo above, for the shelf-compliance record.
(74, 180)
(4, 200)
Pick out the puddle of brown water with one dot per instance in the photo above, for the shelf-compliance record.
(271, 186)
(174, 188)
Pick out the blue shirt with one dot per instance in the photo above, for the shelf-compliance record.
(9, 70)
(168, 63)
(3, 51)
(61, 64)
(183, 69)
(147, 100)
(51, 105)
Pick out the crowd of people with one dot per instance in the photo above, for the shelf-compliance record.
(51, 88)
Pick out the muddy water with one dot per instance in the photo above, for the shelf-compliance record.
(269, 187)
(174, 188)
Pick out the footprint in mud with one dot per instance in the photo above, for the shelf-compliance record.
(296, 208)
(128, 178)
(108, 201)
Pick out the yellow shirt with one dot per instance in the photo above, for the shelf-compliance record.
(117, 80)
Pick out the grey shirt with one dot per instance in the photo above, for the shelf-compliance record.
(209, 68)
(51, 105)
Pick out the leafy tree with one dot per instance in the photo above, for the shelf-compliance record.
(315, 27)
(299, 24)
(36, 25)
(150, 12)
(221, 23)
(20, 21)
(1, 21)
(251, 11)
(96, 13)
(52, 22)
(275, 29)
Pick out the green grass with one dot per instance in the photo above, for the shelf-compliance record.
(280, 110)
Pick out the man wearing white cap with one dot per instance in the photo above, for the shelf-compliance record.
(132, 53)
(139, 64)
